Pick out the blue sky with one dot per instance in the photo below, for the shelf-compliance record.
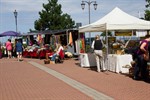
(28, 11)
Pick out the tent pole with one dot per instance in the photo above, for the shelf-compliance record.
(67, 37)
(107, 50)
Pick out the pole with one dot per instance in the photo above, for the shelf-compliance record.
(95, 7)
(15, 14)
(107, 49)
(89, 22)
(16, 22)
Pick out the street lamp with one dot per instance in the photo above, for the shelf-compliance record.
(95, 7)
(15, 14)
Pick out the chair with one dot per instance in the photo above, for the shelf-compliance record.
(61, 54)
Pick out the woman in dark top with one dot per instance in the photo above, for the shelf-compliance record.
(97, 45)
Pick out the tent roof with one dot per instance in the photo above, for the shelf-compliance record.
(50, 32)
(9, 33)
(116, 20)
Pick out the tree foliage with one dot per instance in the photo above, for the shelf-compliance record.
(148, 3)
(52, 18)
(147, 11)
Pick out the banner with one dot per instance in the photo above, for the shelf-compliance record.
(70, 39)
(110, 39)
(123, 33)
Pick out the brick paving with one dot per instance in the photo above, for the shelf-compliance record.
(23, 81)
(81, 87)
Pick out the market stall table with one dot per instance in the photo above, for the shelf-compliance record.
(119, 63)
(87, 59)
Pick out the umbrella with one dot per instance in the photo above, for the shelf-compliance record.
(9, 33)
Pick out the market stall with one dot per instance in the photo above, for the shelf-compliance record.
(87, 60)
(116, 20)
(36, 41)
(5, 34)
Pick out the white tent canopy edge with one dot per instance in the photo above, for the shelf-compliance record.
(116, 20)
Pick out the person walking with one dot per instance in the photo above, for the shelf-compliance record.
(9, 48)
(19, 50)
(97, 45)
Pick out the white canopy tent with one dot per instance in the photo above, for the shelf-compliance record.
(116, 20)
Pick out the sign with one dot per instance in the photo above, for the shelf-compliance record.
(123, 33)
(110, 39)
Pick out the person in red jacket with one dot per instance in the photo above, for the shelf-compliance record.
(58, 52)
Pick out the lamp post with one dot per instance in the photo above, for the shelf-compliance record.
(89, 4)
(15, 14)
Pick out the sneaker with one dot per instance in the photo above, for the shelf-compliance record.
(98, 71)
(146, 80)
(103, 70)
(20, 59)
(136, 78)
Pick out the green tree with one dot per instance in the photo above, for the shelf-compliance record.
(147, 11)
(148, 3)
(52, 18)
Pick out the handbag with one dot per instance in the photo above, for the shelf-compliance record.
(146, 56)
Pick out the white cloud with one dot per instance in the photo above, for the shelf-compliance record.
(21, 5)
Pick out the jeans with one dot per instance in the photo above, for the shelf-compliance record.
(141, 66)
(53, 57)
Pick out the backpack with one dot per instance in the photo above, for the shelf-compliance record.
(136, 50)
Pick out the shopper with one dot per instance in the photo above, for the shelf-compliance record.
(97, 45)
(140, 71)
(9, 48)
(19, 50)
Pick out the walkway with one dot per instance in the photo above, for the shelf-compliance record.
(33, 80)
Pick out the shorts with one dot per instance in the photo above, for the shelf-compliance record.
(9, 52)
(19, 53)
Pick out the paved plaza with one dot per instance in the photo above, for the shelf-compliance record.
(31, 79)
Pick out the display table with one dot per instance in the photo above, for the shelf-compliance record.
(118, 63)
(87, 59)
